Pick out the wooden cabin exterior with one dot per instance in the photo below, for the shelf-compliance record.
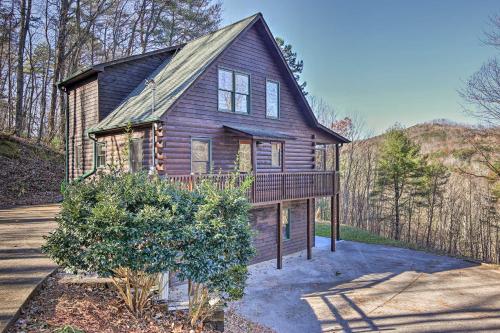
(189, 111)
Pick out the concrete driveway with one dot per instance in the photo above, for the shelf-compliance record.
(366, 288)
(22, 265)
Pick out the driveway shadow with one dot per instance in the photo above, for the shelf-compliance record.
(371, 288)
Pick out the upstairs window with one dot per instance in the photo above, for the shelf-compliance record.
(320, 157)
(101, 154)
(200, 156)
(272, 99)
(135, 155)
(234, 91)
(276, 152)
(245, 156)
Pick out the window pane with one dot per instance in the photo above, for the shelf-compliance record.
(286, 223)
(241, 103)
(200, 156)
(200, 167)
(241, 84)
(225, 100)
(101, 154)
(245, 157)
(320, 157)
(200, 150)
(276, 154)
(135, 155)
(225, 80)
(272, 99)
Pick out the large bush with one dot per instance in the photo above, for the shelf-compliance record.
(133, 226)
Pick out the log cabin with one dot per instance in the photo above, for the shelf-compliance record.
(196, 109)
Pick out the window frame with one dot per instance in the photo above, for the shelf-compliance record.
(320, 147)
(130, 143)
(101, 144)
(280, 145)
(278, 102)
(287, 227)
(233, 91)
(209, 140)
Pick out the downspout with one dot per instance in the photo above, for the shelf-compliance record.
(94, 164)
(66, 137)
(337, 196)
(153, 151)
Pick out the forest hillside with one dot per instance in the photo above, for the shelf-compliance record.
(29, 173)
(433, 185)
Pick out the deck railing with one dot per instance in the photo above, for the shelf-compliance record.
(274, 187)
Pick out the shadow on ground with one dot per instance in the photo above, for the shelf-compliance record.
(366, 288)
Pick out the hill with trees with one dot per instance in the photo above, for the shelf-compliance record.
(434, 185)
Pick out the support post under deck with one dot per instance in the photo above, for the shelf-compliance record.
(279, 240)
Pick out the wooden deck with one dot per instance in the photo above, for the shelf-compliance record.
(276, 187)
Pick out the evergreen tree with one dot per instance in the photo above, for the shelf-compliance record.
(295, 65)
(399, 167)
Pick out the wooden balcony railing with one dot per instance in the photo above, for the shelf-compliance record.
(274, 187)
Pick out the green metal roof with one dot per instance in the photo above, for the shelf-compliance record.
(172, 78)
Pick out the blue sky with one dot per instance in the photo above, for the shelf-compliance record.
(385, 60)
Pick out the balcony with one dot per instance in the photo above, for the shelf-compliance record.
(276, 187)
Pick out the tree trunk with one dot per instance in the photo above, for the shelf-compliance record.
(60, 50)
(24, 26)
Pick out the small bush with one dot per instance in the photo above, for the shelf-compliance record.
(464, 154)
(133, 226)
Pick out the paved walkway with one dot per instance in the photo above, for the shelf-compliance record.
(372, 288)
(22, 265)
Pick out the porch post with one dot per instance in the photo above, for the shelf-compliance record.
(254, 168)
(333, 229)
(309, 234)
(337, 194)
(279, 250)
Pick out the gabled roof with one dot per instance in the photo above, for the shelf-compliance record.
(173, 78)
(178, 73)
(90, 70)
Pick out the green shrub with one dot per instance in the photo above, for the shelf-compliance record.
(133, 226)
(464, 154)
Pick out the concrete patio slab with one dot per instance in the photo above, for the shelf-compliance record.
(22, 265)
(372, 288)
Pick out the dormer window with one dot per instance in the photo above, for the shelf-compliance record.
(234, 91)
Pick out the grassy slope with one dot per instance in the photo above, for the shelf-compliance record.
(357, 235)
(29, 173)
